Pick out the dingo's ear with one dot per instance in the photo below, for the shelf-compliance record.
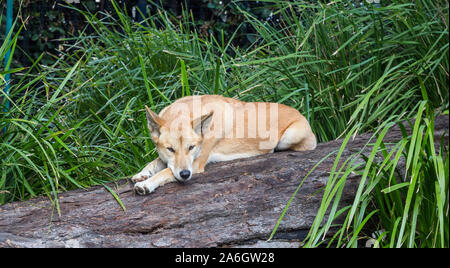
(201, 125)
(154, 123)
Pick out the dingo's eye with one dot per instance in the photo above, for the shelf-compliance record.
(171, 149)
(191, 147)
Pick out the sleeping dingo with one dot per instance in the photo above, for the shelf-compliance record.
(197, 130)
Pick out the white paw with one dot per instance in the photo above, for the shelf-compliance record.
(144, 187)
(141, 176)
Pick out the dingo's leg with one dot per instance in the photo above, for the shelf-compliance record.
(159, 179)
(200, 163)
(149, 170)
(309, 143)
(298, 137)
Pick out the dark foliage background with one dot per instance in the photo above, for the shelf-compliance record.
(50, 25)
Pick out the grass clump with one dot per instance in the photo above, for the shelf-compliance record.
(402, 199)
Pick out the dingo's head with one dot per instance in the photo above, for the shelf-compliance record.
(178, 145)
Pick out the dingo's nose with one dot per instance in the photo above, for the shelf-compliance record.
(185, 174)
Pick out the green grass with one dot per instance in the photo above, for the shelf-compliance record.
(406, 203)
(349, 69)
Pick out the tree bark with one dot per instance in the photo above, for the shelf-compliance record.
(231, 204)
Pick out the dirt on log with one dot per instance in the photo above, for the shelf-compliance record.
(231, 204)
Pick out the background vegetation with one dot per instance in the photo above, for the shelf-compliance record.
(349, 67)
(49, 25)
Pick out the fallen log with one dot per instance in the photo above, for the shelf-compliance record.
(231, 204)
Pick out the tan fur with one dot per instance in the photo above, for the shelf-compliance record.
(196, 130)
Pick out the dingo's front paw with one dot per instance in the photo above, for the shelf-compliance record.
(144, 187)
(141, 190)
(140, 177)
